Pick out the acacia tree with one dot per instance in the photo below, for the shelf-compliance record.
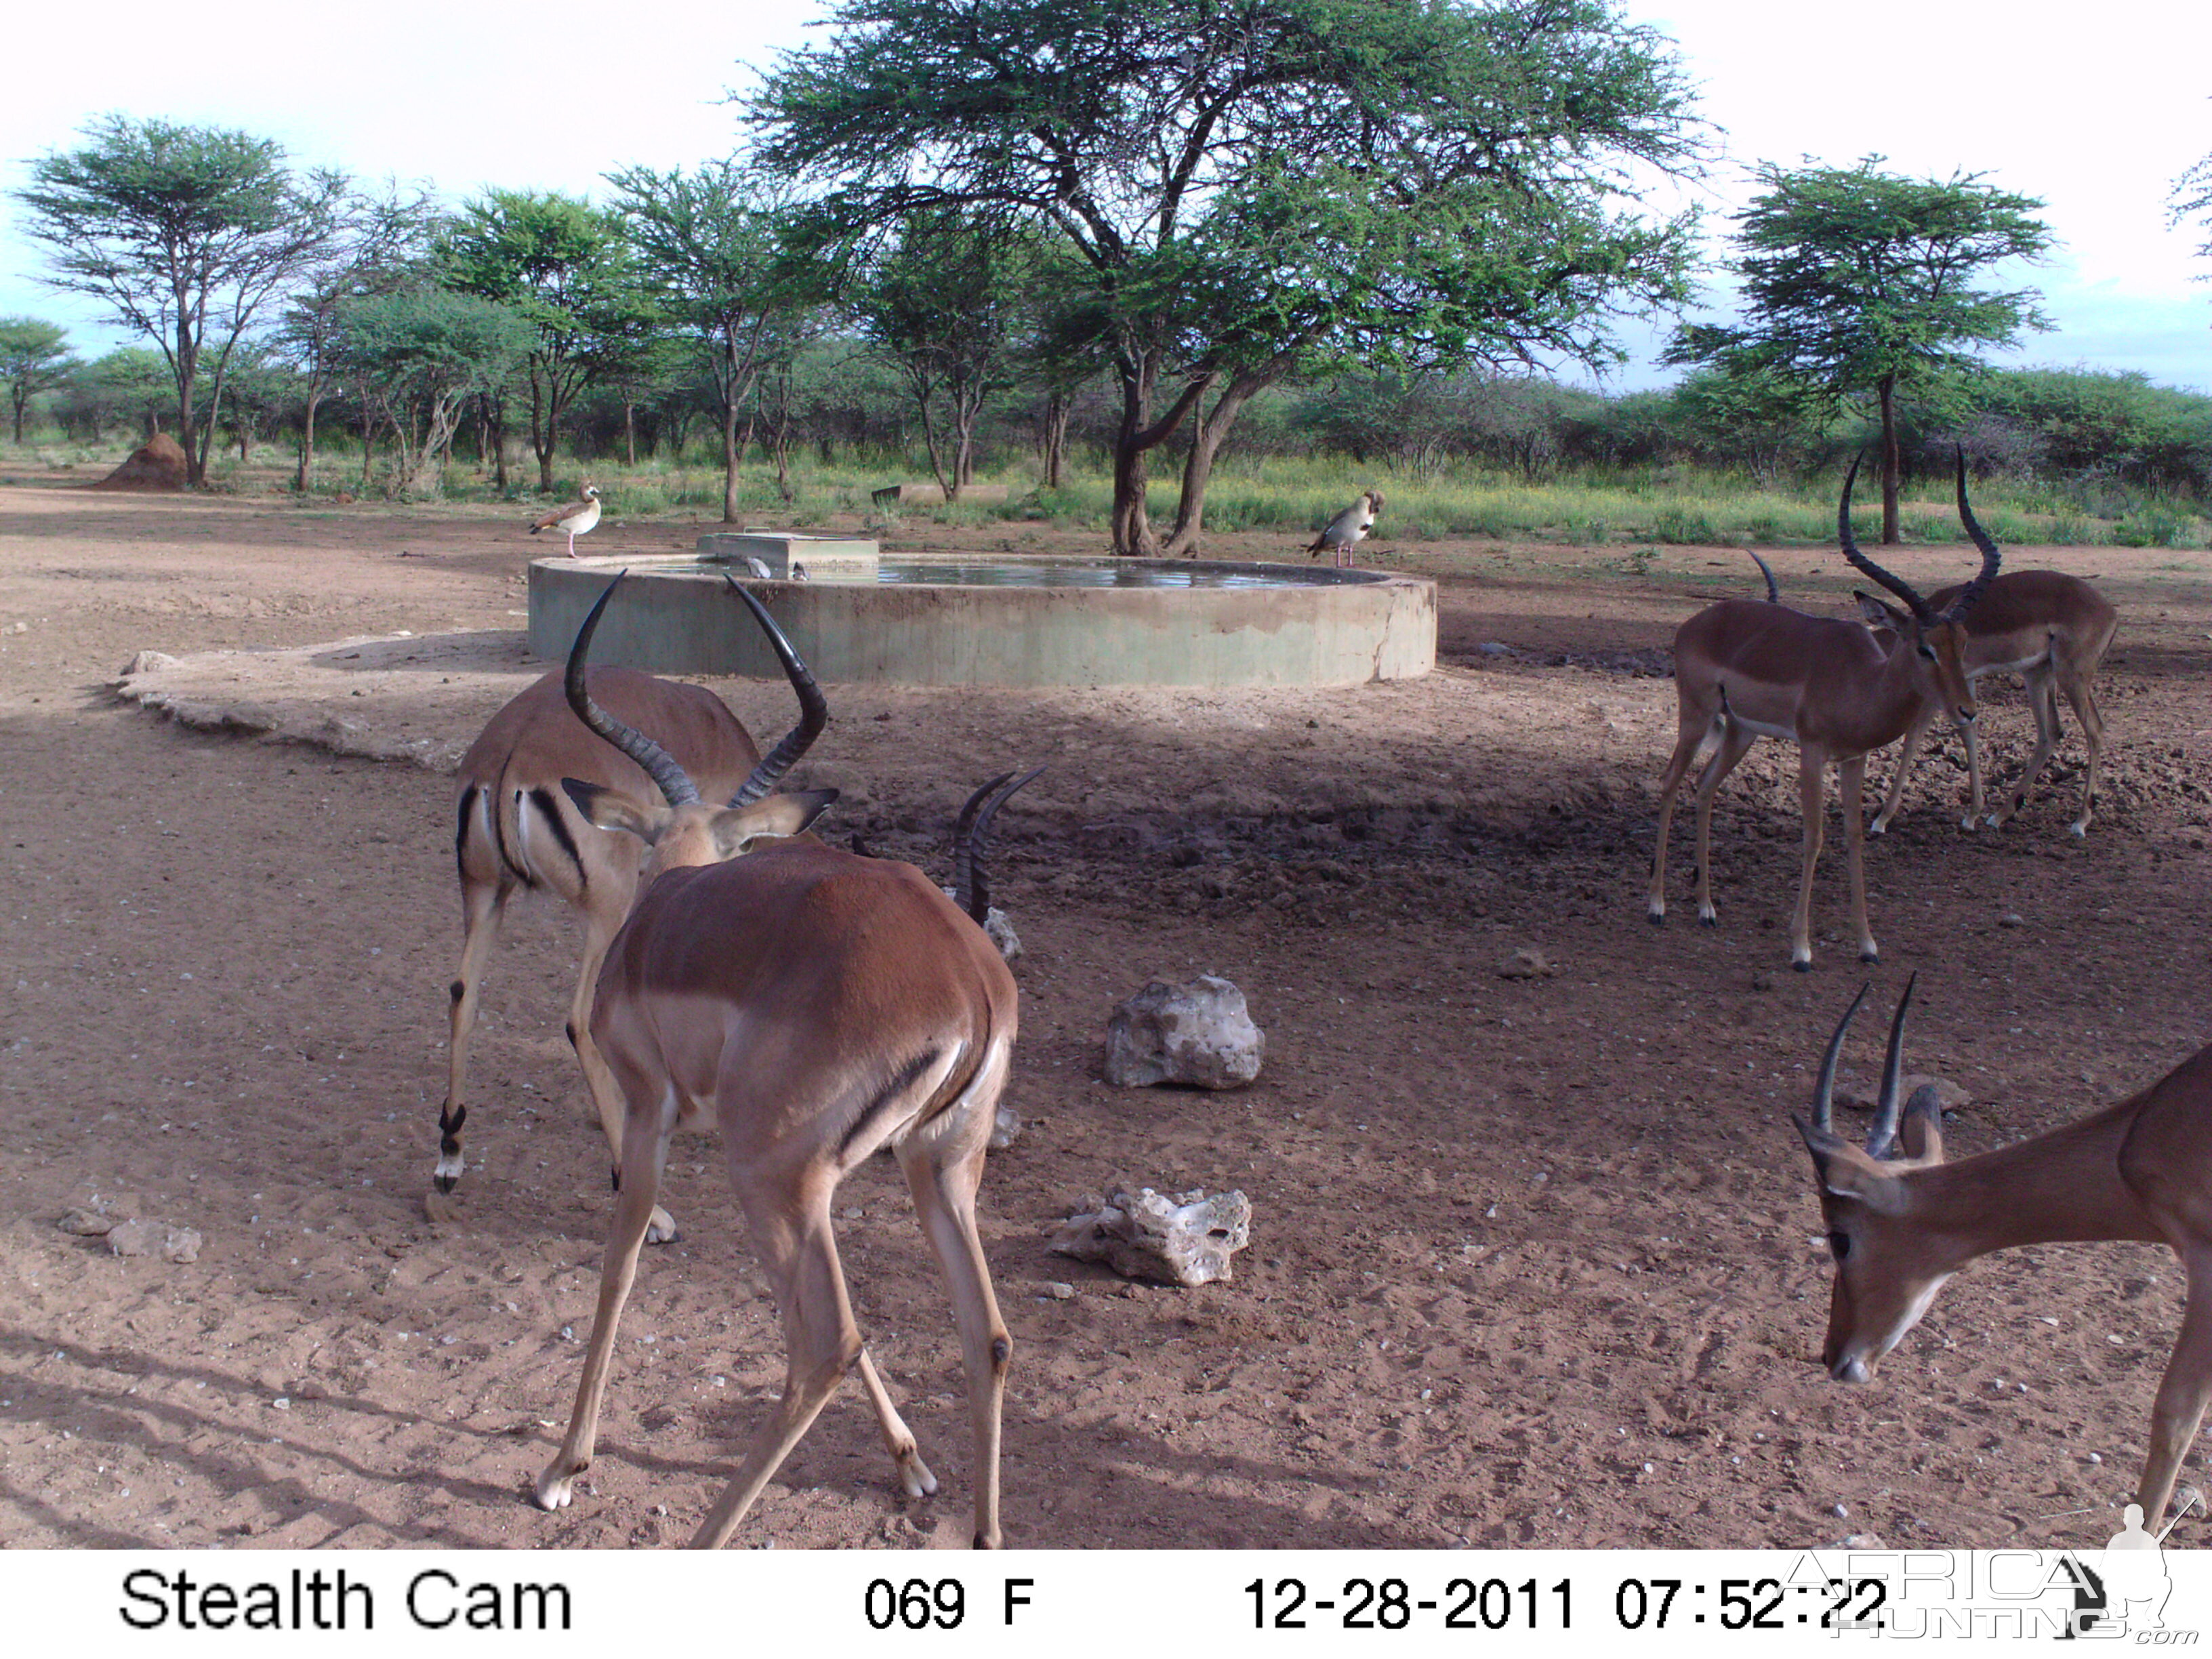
(944, 304)
(711, 246)
(419, 356)
(186, 233)
(379, 244)
(1857, 283)
(1259, 187)
(564, 265)
(34, 357)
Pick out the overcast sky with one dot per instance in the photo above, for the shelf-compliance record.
(2096, 110)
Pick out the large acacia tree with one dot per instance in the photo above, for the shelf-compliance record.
(714, 248)
(1859, 283)
(186, 233)
(565, 268)
(1259, 187)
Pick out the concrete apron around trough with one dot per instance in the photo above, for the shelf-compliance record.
(674, 616)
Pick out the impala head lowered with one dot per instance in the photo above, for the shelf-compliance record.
(1937, 638)
(685, 830)
(1885, 1275)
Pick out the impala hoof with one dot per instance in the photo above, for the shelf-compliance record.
(1868, 955)
(914, 1478)
(1877, 827)
(662, 1229)
(2079, 831)
(1656, 918)
(445, 1183)
(1803, 964)
(1709, 919)
(554, 1491)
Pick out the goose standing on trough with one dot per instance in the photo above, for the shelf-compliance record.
(576, 518)
(1345, 531)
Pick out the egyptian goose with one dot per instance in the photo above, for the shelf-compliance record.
(1346, 529)
(576, 518)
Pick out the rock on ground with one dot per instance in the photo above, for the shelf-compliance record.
(1199, 1033)
(1188, 1240)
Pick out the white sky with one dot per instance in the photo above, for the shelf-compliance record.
(2095, 109)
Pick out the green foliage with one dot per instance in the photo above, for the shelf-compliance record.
(34, 357)
(179, 230)
(1289, 185)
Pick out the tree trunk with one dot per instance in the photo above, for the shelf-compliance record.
(1891, 466)
(629, 431)
(304, 476)
(1206, 441)
(1055, 437)
(20, 398)
(1134, 442)
(730, 453)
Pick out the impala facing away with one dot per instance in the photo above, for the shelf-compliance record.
(1899, 1226)
(1747, 669)
(518, 830)
(813, 1004)
(2052, 630)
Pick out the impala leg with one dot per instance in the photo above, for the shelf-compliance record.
(1813, 799)
(2183, 1393)
(1852, 775)
(2083, 701)
(945, 1194)
(2043, 699)
(644, 1148)
(914, 1476)
(1970, 731)
(481, 903)
(599, 930)
(1913, 735)
(798, 1253)
(1690, 737)
(1735, 744)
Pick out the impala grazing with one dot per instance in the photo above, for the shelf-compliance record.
(2052, 629)
(518, 831)
(1747, 669)
(813, 1004)
(1899, 1226)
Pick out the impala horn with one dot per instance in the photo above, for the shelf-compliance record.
(970, 891)
(659, 764)
(1824, 1092)
(1773, 594)
(1883, 1135)
(1895, 585)
(813, 706)
(1990, 553)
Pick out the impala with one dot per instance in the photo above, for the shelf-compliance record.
(516, 831)
(1747, 669)
(1899, 1226)
(2052, 629)
(812, 1005)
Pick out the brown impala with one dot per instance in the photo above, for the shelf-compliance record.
(2052, 629)
(1899, 1226)
(813, 1005)
(1746, 669)
(518, 832)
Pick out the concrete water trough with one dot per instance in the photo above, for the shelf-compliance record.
(939, 620)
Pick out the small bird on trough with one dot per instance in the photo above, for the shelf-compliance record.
(576, 518)
(1348, 529)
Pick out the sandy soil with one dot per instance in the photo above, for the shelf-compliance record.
(1534, 1261)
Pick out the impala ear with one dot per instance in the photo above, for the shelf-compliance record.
(1879, 613)
(737, 828)
(608, 809)
(1922, 1133)
(1844, 1171)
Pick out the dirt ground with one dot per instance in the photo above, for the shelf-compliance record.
(1534, 1261)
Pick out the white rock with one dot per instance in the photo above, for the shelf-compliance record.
(147, 662)
(1200, 1034)
(1005, 1128)
(1187, 1240)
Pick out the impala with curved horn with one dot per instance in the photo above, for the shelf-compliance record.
(518, 832)
(2052, 629)
(1746, 669)
(1900, 1225)
(812, 1005)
